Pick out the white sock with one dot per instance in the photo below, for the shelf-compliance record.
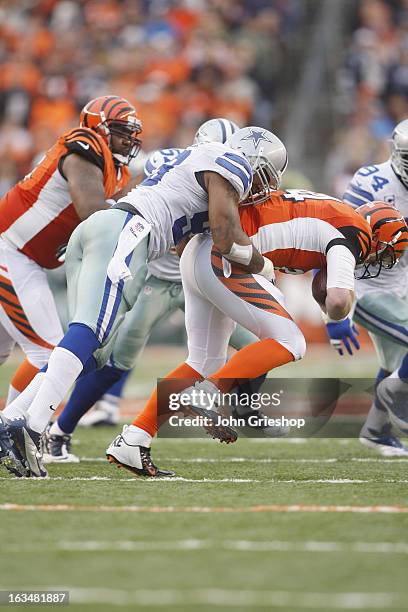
(19, 406)
(11, 395)
(111, 399)
(138, 436)
(55, 430)
(63, 369)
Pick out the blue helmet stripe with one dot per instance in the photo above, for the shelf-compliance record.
(224, 133)
(221, 161)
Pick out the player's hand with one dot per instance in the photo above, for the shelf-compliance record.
(343, 334)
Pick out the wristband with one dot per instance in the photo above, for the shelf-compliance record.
(327, 319)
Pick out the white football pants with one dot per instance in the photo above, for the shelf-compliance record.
(214, 304)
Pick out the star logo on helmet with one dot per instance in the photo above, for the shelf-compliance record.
(257, 136)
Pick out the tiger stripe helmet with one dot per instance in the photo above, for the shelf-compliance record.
(390, 236)
(113, 115)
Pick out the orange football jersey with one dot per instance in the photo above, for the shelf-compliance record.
(37, 215)
(295, 228)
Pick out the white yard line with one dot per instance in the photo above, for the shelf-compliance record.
(237, 545)
(244, 546)
(260, 508)
(232, 598)
(177, 479)
(263, 460)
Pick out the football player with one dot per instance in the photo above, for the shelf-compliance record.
(201, 190)
(298, 231)
(161, 295)
(86, 166)
(382, 303)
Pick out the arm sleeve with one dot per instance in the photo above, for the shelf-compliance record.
(340, 268)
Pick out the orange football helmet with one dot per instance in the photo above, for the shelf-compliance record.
(113, 115)
(390, 236)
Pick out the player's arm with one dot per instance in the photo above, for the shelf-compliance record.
(341, 264)
(134, 182)
(339, 300)
(227, 233)
(85, 183)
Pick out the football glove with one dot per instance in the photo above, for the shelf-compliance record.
(343, 334)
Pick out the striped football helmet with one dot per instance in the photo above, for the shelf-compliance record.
(390, 236)
(113, 115)
(215, 130)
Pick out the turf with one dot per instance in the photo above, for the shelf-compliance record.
(238, 560)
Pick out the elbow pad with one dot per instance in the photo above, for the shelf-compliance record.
(241, 254)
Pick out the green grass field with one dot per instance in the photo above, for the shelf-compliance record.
(261, 524)
(214, 537)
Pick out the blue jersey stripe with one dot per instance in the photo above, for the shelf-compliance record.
(221, 161)
(241, 161)
(148, 169)
(362, 192)
(353, 200)
(106, 293)
(390, 331)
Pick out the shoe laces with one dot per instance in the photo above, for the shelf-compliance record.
(147, 461)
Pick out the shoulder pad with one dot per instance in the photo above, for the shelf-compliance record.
(86, 143)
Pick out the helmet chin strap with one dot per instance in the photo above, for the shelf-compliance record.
(122, 160)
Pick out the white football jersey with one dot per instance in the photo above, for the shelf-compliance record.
(369, 184)
(173, 199)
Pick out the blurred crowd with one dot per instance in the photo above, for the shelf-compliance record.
(372, 88)
(180, 62)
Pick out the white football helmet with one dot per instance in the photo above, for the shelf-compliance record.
(215, 130)
(267, 156)
(399, 151)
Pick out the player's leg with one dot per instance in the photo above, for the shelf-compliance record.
(98, 306)
(257, 305)
(209, 308)
(208, 332)
(386, 318)
(27, 313)
(156, 301)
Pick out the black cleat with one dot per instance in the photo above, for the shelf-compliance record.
(10, 457)
(28, 443)
(56, 448)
